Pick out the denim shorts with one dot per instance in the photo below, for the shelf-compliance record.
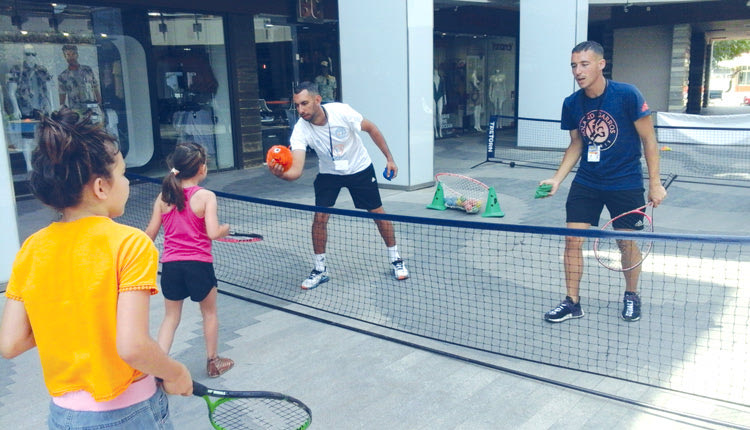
(148, 414)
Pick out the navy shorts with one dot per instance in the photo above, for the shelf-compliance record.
(585, 205)
(363, 187)
(183, 279)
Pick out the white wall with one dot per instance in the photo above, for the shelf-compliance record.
(9, 232)
(549, 31)
(386, 75)
(642, 57)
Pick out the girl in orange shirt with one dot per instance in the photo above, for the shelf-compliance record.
(79, 289)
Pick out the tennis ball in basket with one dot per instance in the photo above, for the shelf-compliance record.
(281, 155)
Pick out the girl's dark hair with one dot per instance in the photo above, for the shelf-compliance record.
(71, 151)
(187, 158)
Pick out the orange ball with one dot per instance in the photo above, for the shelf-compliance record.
(281, 155)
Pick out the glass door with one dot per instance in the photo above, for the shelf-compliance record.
(192, 84)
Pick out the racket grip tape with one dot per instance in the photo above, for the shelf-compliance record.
(199, 389)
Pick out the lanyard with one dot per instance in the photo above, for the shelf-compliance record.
(330, 140)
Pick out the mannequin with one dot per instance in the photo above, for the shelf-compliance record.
(326, 83)
(438, 88)
(78, 87)
(476, 98)
(497, 93)
(27, 87)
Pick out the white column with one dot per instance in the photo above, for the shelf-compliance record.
(386, 75)
(9, 232)
(549, 30)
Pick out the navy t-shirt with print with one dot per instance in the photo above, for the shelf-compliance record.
(608, 121)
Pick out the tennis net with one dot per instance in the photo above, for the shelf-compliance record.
(720, 154)
(487, 286)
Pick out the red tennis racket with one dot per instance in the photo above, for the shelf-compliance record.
(620, 254)
(235, 237)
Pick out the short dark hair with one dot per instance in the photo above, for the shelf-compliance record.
(589, 45)
(309, 86)
(71, 151)
(69, 48)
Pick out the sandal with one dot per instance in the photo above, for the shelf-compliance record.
(218, 365)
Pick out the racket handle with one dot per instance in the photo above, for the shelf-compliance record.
(199, 389)
(669, 179)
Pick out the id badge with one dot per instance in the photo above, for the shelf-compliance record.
(341, 165)
(594, 153)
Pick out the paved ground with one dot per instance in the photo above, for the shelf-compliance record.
(353, 380)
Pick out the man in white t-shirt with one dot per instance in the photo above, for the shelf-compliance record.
(333, 132)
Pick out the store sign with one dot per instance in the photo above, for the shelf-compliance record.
(310, 10)
(491, 137)
(502, 46)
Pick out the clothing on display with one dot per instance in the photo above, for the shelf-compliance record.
(438, 87)
(476, 98)
(78, 86)
(27, 87)
(498, 93)
(196, 126)
(326, 83)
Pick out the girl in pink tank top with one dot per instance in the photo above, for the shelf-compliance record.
(189, 215)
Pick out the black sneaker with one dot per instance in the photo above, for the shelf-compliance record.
(565, 310)
(631, 309)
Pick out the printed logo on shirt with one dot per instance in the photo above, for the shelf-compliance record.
(340, 132)
(597, 127)
(644, 108)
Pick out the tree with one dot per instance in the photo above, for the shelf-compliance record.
(729, 49)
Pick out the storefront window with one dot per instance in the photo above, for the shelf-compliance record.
(474, 79)
(54, 55)
(289, 53)
(192, 84)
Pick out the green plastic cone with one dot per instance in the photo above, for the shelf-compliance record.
(438, 200)
(493, 207)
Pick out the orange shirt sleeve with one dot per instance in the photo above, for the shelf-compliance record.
(138, 264)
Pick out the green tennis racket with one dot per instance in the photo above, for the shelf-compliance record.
(234, 410)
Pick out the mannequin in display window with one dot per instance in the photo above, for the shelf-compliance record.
(497, 93)
(438, 88)
(78, 86)
(326, 83)
(476, 98)
(27, 87)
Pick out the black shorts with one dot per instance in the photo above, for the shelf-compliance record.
(585, 205)
(363, 187)
(183, 279)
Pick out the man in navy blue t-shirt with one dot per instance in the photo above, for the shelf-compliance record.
(608, 122)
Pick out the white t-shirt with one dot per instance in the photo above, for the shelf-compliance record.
(344, 142)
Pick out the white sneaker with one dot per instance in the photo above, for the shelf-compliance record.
(316, 278)
(399, 270)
